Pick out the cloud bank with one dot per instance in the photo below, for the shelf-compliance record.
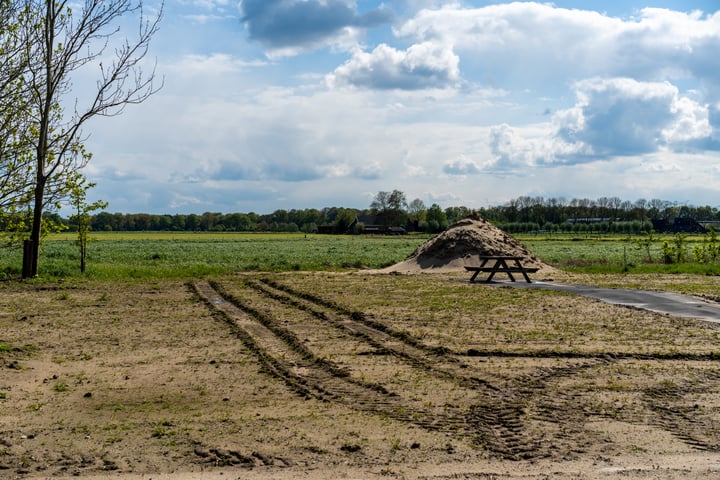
(300, 103)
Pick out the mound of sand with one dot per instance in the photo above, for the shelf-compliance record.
(461, 244)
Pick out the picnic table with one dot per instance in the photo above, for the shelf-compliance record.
(500, 265)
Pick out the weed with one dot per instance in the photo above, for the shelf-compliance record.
(61, 387)
(163, 429)
(200, 390)
(396, 444)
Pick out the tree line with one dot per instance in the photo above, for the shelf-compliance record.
(522, 214)
(339, 219)
(605, 214)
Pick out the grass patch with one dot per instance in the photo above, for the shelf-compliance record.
(170, 255)
(61, 387)
(142, 255)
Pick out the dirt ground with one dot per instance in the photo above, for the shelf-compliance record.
(324, 375)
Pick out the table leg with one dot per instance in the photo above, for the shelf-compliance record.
(482, 264)
(527, 278)
(506, 269)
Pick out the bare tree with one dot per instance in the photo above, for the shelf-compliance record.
(417, 210)
(390, 207)
(62, 41)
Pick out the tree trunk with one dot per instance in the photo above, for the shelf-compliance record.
(27, 258)
(83, 251)
(31, 259)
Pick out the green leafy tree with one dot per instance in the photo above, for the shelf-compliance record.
(78, 196)
(61, 41)
(15, 150)
(436, 218)
(646, 243)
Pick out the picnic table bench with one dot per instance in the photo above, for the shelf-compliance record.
(500, 265)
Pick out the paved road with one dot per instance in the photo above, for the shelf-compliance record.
(662, 302)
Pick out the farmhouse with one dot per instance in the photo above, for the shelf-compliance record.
(678, 225)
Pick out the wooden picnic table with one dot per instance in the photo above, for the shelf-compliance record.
(500, 265)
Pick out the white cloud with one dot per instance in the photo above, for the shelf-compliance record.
(180, 201)
(514, 152)
(611, 117)
(211, 64)
(691, 122)
(421, 66)
(462, 166)
(203, 19)
(548, 43)
(621, 116)
(206, 4)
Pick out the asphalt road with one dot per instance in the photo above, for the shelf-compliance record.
(662, 302)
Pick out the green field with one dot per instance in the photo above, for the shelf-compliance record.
(173, 255)
(621, 253)
(178, 255)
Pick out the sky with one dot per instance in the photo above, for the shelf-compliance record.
(293, 104)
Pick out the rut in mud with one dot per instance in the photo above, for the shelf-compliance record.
(323, 350)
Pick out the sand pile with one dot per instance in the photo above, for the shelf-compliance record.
(461, 244)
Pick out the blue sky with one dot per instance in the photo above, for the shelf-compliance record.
(271, 104)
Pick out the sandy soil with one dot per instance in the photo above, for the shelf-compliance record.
(349, 376)
(361, 375)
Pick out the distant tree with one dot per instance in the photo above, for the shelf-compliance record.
(381, 202)
(436, 219)
(453, 214)
(641, 206)
(208, 220)
(280, 216)
(390, 207)
(178, 223)
(236, 222)
(142, 222)
(103, 221)
(344, 219)
(417, 211)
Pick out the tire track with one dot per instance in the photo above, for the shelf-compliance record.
(283, 356)
(490, 418)
(676, 412)
(435, 361)
(503, 414)
(519, 417)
